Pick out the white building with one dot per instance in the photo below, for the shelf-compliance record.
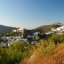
(58, 30)
(14, 30)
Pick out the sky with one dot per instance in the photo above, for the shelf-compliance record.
(31, 13)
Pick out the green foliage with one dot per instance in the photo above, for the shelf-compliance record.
(57, 38)
(15, 53)
(44, 49)
(20, 50)
(13, 33)
(37, 38)
(3, 56)
(50, 46)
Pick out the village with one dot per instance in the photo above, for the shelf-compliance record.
(28, 36)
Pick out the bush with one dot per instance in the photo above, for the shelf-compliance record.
(17, 52)
(57, 38)
(37, 38)
(47, 54)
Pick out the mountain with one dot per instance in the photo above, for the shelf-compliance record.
(5, 29)
(47, 28)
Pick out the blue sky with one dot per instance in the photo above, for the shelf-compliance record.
(31, 13)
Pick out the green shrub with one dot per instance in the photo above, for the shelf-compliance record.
(18, 51)
(37, 38)
(57, 38)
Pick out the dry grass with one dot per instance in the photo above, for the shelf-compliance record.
(56, 58)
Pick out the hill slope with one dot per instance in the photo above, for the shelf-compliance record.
(5, 29)
(47, 28)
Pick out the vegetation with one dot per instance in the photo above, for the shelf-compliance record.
(16, 52)
(57, 38)
(13, 33)
(5, 29)
(37, 38)
(47, 28)
(50, 55)
(46, 51)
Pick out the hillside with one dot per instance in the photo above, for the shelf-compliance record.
(5, 29)
(47, 28)
(57, 57)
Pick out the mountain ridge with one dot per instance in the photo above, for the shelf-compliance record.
(5, 29)
(47, 28)
(44, 28)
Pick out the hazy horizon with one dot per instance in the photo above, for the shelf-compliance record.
(31, 13)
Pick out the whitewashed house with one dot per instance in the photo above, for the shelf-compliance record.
(58, 30)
